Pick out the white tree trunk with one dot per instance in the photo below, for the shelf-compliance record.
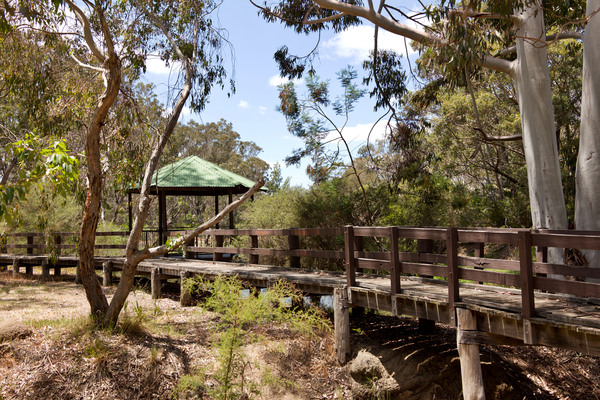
(587, 201)
(537, 118)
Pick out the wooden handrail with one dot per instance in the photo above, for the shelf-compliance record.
(441, 253)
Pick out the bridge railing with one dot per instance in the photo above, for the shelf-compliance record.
(512, 258)
(59, 243)
(273, 246)
(523, 270)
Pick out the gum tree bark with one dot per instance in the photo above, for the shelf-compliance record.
(91, 213)
(587, 200)
(532, 78)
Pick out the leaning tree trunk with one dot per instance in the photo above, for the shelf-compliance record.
(91, 213)
(587, 200)
(537, 118)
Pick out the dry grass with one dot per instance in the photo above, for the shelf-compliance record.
(159, 345)
(155, 345)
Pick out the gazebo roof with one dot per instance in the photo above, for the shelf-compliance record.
(195, 176)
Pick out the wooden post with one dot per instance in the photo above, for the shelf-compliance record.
(395, 260)
(58, 243)
(16, 265)
(185, 295)
(470, 363)
(162, 218)
(253, 245)
(231, 220)
(479, 252)
(107, 269)
(45, 270)
(349, 255)
(341, 321)
(526, 274)
(78, 278)
(219, 239)
(216, 209)
(30, 245)
(155, 283)
(293, 244)
(28, 269)
(542, 256)
(452, 262)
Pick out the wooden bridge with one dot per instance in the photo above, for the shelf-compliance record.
(495, 286)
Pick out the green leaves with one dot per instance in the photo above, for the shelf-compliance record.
(35, 164)
(309, 119)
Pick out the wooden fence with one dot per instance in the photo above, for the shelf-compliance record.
(448, 256)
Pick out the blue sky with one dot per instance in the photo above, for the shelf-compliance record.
(252, 109)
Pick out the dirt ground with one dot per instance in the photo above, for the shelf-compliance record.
(47, 351)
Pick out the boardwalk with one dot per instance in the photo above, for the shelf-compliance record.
(491, 300)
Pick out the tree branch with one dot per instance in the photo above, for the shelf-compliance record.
(550, 39)
(407, 31)
(87, 66)
(87, 31)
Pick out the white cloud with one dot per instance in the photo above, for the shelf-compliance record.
(262, 110)
(356, 42)
(359, 134)
(186, 113)
(243, 104)
(157, 66)
(277, 80)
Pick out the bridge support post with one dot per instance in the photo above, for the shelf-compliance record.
(29, 270)
(470, 363)
(341, 321)
(45, 270)
(155, 283)
(107, 269)
(185, 297)
(16, 266)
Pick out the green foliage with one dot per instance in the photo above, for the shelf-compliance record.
(240, 318)
(385, 70)
(272, 211)
(190, 386)
(51, 167)
(132, 321)
(309, 119)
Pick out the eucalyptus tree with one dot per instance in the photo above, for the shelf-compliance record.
(111, 39)
(510, 37)
(587, 206)
(322, 129)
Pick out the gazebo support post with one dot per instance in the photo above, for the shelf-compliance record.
(217, 208)
(231, 221)
(162, 217)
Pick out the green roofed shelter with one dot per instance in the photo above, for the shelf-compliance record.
(191, 176)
